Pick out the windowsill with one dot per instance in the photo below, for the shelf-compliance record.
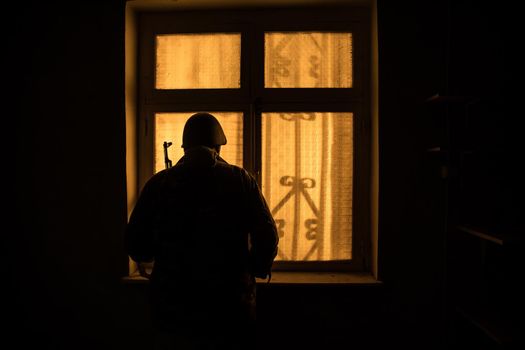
(300, 278)
(322, 278)
(134, 280)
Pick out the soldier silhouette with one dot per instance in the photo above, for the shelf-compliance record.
(206, 226)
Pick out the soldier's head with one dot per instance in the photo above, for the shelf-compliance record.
(203, 129)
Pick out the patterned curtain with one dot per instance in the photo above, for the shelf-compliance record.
(307, 180)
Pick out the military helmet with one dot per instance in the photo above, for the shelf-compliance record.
(202, 129)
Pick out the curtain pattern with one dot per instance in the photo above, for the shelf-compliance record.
(307, 158)
(308, 60)
(307, 179)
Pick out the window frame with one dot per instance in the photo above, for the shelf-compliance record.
(253, 99)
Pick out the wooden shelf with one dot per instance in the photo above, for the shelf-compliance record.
(441, 99)
(500, 331)
(495, 238)
(500, 238)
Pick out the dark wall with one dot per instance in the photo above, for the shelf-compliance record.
(66, 253)
(462, 50)
(65, 257)
(482, 65)
(412, 67)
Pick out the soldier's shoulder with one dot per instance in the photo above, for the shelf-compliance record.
(158, 175)
(235, 170)
(157, 178)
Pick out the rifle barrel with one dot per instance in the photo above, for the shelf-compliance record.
(167, 161)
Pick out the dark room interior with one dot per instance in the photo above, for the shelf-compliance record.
(446, 194)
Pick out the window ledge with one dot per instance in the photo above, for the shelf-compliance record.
(136, 279)
(321, 278)
(299, 278)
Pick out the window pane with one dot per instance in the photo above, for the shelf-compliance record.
(169, 127)
(308, 60)
(198, 61)
(307, 178)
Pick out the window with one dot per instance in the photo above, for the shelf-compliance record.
(290, 88)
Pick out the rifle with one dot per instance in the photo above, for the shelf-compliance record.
(167, 161)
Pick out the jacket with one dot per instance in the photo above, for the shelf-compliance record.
(209, 231)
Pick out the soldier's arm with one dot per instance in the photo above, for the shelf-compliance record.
(263, 232)
(139, 236)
